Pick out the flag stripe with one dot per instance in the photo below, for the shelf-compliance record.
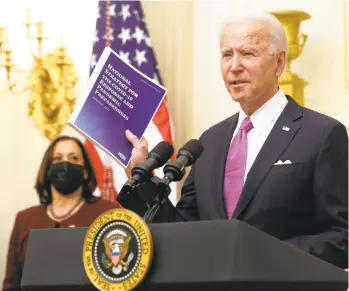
(161, 120)
(96, 161)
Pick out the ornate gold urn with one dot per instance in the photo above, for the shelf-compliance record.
(291, 83)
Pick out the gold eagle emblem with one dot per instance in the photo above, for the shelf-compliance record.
(116, 248)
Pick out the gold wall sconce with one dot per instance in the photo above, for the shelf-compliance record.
(50, 81)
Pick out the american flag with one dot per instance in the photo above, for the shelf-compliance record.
(121, 25)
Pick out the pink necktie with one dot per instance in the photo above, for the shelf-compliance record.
(235, 167)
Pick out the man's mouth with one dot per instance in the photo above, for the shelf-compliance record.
(238, 82)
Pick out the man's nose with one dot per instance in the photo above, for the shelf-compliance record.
(236, 65)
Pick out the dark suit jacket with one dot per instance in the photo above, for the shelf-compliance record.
(304, 203)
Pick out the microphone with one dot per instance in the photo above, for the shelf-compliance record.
(174, 171)
(157, 157)
(187, 155)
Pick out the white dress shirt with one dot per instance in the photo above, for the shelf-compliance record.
(263, 121)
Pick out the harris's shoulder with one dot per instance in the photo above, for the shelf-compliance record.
(31, 212)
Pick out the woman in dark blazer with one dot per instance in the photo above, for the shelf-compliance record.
(65, 184)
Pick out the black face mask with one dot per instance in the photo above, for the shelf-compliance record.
(66, 177)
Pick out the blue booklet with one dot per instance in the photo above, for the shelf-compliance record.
(117, 97)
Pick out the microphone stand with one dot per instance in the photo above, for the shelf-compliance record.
(153, 203)
(163, 190)
(174, 171)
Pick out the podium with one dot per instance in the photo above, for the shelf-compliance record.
(205, 255)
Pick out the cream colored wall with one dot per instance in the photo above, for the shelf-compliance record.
(321, 63)
(170, 25)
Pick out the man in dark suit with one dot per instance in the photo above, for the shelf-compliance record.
(275, 165)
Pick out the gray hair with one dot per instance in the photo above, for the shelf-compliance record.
(276, 33)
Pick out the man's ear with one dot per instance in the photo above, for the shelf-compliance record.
(280, 63)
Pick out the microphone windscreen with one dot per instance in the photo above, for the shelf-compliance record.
(194, 147)
(162, 152)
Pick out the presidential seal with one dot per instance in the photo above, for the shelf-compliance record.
(118, 250)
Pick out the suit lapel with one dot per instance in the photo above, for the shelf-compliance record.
(276, 143)
(220, 164)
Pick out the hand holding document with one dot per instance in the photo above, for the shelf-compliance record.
(117, 97)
